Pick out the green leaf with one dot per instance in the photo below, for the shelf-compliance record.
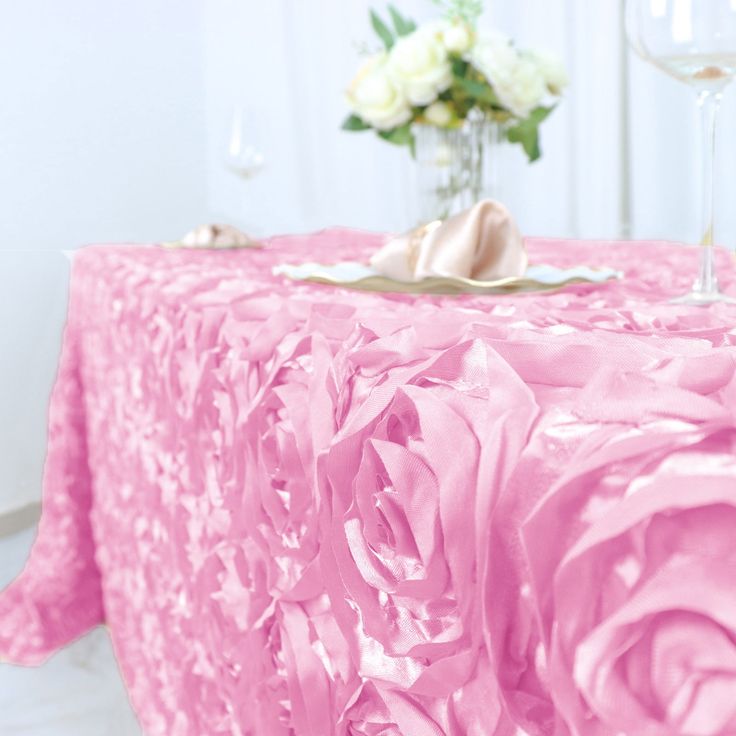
(383, 31)
(540, 114)
(402, 136)
(529, 139)
(527, 132)
(459, 68)
(354, 123)
(480, 91)
(403, 26)
(468, 10)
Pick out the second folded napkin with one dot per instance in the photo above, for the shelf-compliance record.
(483, 243)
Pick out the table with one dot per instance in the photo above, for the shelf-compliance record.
(304, 510)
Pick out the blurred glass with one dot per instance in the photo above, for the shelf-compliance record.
(245, 156)
(693, 41)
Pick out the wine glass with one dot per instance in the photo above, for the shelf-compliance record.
(244, 155)
(695, 42)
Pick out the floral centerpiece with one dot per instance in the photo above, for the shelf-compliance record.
(448, 82)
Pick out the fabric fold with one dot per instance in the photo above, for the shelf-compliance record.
(57, 597)
(482, 243)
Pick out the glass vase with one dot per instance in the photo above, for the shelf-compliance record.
(455, 168)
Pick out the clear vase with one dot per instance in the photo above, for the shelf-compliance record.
(455, 168)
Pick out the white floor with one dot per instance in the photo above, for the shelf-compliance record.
(77, 693)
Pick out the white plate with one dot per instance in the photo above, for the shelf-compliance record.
(353, 275)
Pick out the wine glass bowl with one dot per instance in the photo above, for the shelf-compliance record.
(244, 155)
(693, 41)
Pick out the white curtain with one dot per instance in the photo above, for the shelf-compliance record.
(290, 60)
(620, 153)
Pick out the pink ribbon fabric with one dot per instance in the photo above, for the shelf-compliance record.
(310, 512)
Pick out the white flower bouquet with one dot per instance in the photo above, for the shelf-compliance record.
(444, 71)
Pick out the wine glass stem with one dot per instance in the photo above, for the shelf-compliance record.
(709, 103)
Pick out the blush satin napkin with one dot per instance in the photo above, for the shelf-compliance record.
(215, 236)
(303, 511)
(482, 243)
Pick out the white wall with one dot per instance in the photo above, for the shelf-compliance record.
(33, 285)
(620, 154)
(101, 120)
(290, 61)
(102, 129)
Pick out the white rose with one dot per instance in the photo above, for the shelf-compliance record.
(552, 69)
(439, 113)
(493, 48)
(516, 79)
(457, 37)
(419, 64)
(376, 99)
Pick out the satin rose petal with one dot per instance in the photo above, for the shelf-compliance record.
(404, 510)
(643, 554)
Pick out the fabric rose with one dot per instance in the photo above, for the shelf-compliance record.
(516, 79)
(408, 487)
(376, 710)
(274, 414)
(420, 66)
(321, 677)
(474, 710)
(245, 584)
(280, 502)
(376, 98)
(229, 598)
(580, 413)
(633, 571)
(295, 673)
(262, 700)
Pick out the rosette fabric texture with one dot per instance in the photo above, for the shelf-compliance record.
(310, 512)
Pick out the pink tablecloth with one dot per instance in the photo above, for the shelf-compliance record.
(308, 511)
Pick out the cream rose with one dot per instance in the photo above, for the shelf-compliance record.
(376, 98)
(552, 69)
(440, 114)
(457, 37)
(419, 64)
(516, 78)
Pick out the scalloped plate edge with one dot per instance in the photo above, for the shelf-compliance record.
(446, 286)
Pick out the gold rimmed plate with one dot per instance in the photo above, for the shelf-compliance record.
(357, 276)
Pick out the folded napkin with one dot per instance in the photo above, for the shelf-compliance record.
(482, 243)
(216, 236)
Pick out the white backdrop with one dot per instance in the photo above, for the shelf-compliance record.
(294, 58)
(114, 120)
(620, 154)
